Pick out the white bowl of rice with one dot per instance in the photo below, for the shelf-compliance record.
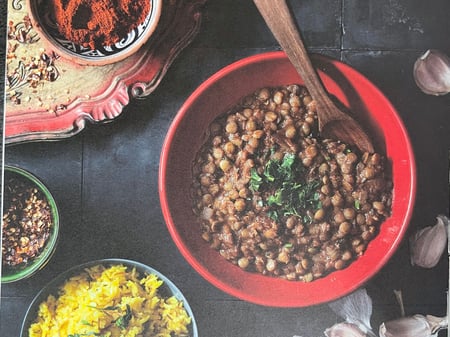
(110, 297)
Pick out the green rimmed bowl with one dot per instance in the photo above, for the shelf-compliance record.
(24, 270)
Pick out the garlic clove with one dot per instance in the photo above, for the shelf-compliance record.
(344, 330)
(413, 326)
(432, 72)
(437, 323)
(428, 244)
(355, 308)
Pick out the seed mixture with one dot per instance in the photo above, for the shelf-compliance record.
(27, 221)
(274, 198)
(32, 71)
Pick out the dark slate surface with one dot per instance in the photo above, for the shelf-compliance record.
(105, 179)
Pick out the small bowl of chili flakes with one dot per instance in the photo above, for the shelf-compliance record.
(30, 225)
(94, 32)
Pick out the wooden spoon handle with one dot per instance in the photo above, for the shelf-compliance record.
(280, 21)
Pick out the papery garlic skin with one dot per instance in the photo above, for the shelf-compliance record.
(437, 323)
(415, 326)
(344, 330)
(432, 72)
(429, 243)
(355, 308)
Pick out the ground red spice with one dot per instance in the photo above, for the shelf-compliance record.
(98, 23)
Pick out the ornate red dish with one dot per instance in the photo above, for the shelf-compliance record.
(49, 97)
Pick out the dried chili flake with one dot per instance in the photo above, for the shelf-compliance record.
(27, 221)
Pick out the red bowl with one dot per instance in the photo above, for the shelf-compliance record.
(187, 133)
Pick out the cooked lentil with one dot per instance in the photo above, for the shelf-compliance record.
(274, 198)
(27, 221)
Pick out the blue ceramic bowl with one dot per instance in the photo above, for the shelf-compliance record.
(167, 289)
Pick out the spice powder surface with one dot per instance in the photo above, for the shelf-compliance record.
(95, 24)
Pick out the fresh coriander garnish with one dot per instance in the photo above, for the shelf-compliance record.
(123, 321)
(105, 309)
(288, 192)
(255, 180)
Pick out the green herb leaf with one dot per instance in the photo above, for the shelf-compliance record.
(111, 307)
(288, 161)
(276, 198)
(123, 321)
(108, 308)
(255, 180)
(270, 171)
(288, 193)
(273, 215)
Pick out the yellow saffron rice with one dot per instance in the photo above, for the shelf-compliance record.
(109, 302)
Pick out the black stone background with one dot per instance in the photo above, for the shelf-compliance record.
(105, 179)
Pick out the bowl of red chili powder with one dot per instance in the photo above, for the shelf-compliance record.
(95, 32)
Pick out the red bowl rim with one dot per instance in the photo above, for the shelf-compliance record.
(325, 295)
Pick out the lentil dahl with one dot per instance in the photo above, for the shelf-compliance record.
(274, 198)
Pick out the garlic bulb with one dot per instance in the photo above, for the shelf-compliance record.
(429, 243)
(413, 326)
(344, 330)
(356, 309)
(432, 72)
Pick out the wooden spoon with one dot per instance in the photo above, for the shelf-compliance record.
(333, 122)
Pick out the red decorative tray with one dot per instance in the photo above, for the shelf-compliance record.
(58, 104)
